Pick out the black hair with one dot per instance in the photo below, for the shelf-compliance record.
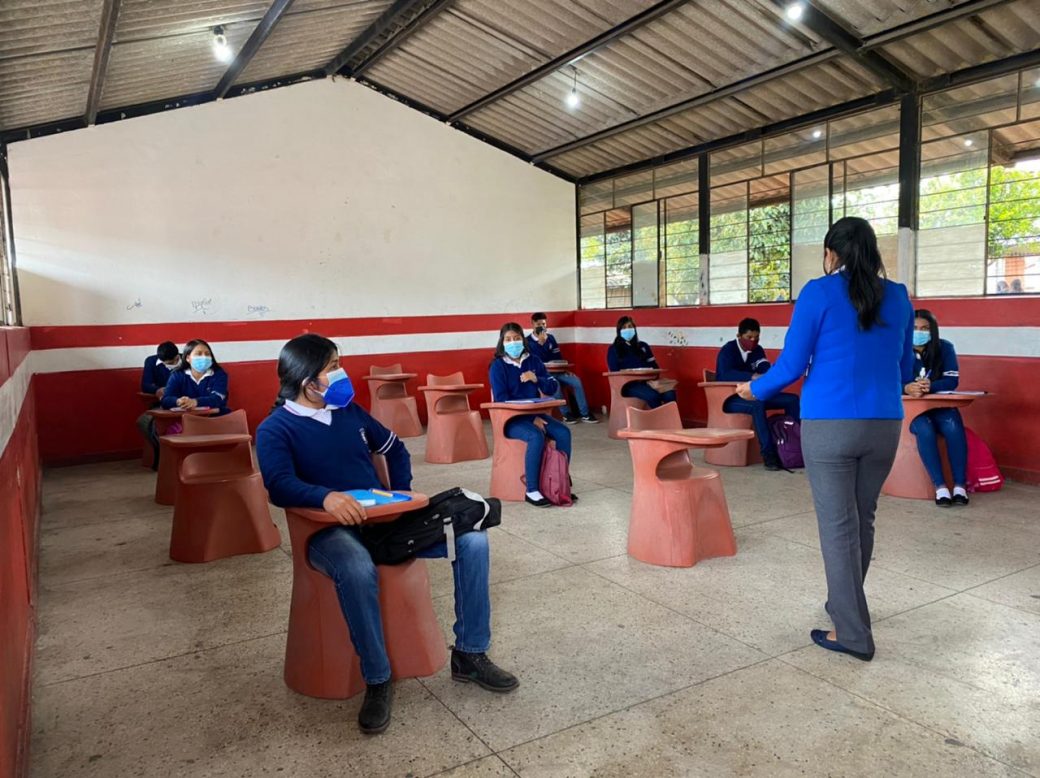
(538, 315)
(855, 243)
(509, 326)
(186, 353)
(300, 360)
(619, 342)
(748, 325)
(167, 350)
(931, 354)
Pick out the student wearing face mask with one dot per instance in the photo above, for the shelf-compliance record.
(936, 370)
(198, 382)
(156, 373)
(542, 344)
(516, 374)
(628, 352)
(317, 444)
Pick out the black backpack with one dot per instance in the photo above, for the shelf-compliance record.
(449, 513)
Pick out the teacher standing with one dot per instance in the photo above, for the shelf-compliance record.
(851, 335)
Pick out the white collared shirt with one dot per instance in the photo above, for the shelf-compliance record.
(515, 362)
(199, 380)
(324, 415)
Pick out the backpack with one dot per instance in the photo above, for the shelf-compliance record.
(555, 482)
(449, 513)
(787, 434)
(983, 473)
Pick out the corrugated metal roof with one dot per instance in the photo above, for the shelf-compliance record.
(139, 19)
(43, 26)
(311, 38)
(34, 90)
(874, 16)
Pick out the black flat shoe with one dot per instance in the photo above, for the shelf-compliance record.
(478, 669)
(960, 499)
(574, 497)
(571, 419)
(542, 503)
(819, 637)
(374, 716)
(944, 502)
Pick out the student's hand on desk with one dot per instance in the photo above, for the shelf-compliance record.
(160, 392)
(529, 376)
(925, 384)
(914, 389)
(744, 391)
(187, 403)
(344, 508)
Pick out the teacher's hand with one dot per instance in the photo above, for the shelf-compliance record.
(744, 391)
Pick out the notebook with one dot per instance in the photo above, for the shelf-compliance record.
(372, 497)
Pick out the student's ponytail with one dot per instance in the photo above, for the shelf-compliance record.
(855, 243)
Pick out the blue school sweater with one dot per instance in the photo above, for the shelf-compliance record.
(302, 460)
(854, 373)
(155, 375)
(211, 391)
(630, 358)
(731, 366)
(950, 372)
(506, 384)
(547, 353)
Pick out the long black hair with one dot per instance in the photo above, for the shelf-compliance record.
(855, 243)
(931, 354)
(186, 354)
(509, 326)
(620, 344)
(300, 360)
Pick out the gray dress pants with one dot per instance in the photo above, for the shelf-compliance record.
(847, 461)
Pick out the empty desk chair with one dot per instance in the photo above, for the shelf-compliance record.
(619, 404)
(507, 458)
(454, 432)
(170, 459)
(679, 513)
(391, 404)
(739, 453)
(319, 658)
(234, 423)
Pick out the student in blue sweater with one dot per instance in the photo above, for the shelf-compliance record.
(515, 374)
(156, 373)
(743, 359)
(853, 331)
(199, 382)
(316, 444)
(542, 344)
(628, 352)
(936, 370)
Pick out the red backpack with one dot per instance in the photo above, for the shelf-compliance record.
(983, 473)
(555, 482)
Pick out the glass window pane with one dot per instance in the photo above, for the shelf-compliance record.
(736, 164)
(1013, 230)
(728, 261)
(598, 196)
(593, 262)
(864, 133)
(810, 219)
(958, 111)
(645, 277)
(619, 258)
(797, 149)
(682, 250)
(675, 179)
(636, 188)
(769, 240)
(1029, 96)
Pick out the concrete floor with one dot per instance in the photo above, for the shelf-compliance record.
(147, 667)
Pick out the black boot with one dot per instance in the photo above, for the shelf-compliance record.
(374, 716)
(481, 671)
(772, 461)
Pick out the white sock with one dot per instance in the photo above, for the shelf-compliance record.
(960, 491)
(941, 492)
(535, 495)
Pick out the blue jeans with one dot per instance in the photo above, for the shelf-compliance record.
(948, 423)
(523, 428)
(337, 552)
(574, 384)
(790, 404)
(641, 390)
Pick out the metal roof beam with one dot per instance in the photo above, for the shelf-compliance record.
(399, 10)
(929, 23)
(412, 27)
(106, 33)
(260, 33)
(570, 57)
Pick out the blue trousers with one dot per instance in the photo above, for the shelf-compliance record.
(338, 553)
(788, 403)
(523, 428)
(641, 390)
(948, 423)
(574, 384)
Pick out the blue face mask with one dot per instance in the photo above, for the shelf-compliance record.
(628, 333)
(340, 392)
(921, 337)
(201, 364)
(514, 348)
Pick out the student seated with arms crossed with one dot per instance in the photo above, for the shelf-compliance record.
(628, 352)
(198, 382)
(317, 444)
(515, 374)
(743, 359)
(541, 344)
(156, 373)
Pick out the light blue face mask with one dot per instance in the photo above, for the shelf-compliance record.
(628, 333)
(514, 348)
(921, 337)
(201, 364)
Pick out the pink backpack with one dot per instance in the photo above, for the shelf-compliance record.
(555, 482)
(983, 473)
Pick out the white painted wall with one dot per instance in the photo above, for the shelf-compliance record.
(323, 199)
